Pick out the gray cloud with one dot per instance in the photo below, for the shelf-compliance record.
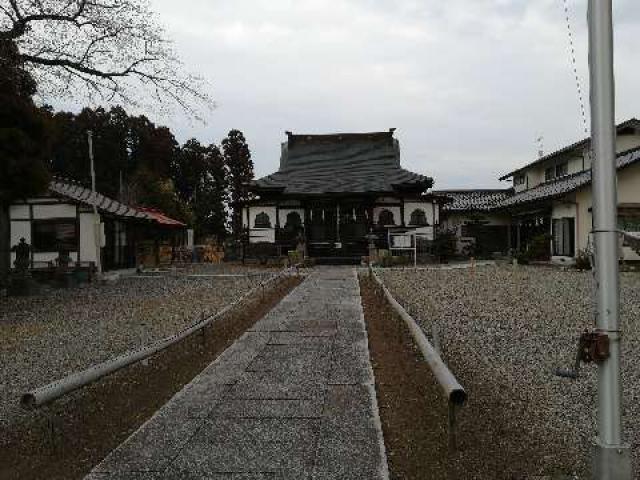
(468, 84)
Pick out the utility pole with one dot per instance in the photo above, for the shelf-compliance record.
(612, 459)
(96, 217)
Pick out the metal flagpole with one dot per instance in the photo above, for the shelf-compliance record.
(611, 457)
(96, 218)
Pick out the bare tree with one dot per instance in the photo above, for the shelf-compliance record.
(109, 48)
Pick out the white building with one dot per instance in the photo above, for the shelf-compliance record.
(63, 220)
(551, 198)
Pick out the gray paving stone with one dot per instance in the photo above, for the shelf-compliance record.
(349, 445)
(291, 399)
(281, 446)
(152, 447)
(196, 400)
(121, 476)
(290, 358)
(295, 338)
(258, 430)
(351, 368)
(229, 366)
(289, 408)
(278, 385)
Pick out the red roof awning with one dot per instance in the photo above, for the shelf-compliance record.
(160, 218)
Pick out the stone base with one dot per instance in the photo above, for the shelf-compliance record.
(22, 287)
(611, 462)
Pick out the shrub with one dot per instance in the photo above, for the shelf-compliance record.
(583, 260)
(444, 245)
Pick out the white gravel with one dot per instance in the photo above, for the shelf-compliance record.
(504, 331)
(46, 337)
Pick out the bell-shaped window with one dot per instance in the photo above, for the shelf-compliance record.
(418, 218)
(386, 218)
(294, 222)
(262, 221)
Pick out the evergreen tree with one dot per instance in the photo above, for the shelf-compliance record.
(24, 143)
(200, 177)
(237, 157)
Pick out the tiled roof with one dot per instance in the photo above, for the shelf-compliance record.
(473, 200)
(631, 123)
(161, 218)
(77, 192)
(567, 184)
(81, 194)
(341, 163)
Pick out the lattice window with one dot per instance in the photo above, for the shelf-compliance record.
(294, 222)
(262, 221)
(386, 218)
(418, 217)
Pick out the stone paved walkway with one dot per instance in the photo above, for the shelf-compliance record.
(292, 399)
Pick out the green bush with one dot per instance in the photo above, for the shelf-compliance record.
(444, 245)
(583, 261)
(540, 247)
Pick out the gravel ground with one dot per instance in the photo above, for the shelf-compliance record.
(48, 336)
(503, 332)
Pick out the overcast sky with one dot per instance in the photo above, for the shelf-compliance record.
(469, 84)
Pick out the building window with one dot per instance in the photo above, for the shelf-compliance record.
(563, 233)
(549, 174)
(55, 235)
(262, 221)
(294, 222)
(386, 218)
(519, 180)
(629, 223)
(418, 217)
(562, 169)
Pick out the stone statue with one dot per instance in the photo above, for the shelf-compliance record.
(23, 256)
(21, 282)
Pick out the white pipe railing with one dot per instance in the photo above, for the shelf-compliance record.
(51, 392)
(454, 392)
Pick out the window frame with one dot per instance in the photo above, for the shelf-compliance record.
(424, 223)
(565, 169)
(519, 180)
(385, 211)
(260, 224)
(38, 245)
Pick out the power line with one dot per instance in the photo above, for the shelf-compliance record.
(574, 64)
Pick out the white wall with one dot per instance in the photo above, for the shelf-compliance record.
(577, 160)
(258, 235)
(430, 210)
(22, 229)
(628, 192)
(563, 210)
(627, 142)
(19, 211)
(254, 211)
(87, 238)
(43, 212)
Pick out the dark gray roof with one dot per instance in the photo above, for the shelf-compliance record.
(79, 193)
(473, 200)
(567, 184)
(631, 123)
(341, 163)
